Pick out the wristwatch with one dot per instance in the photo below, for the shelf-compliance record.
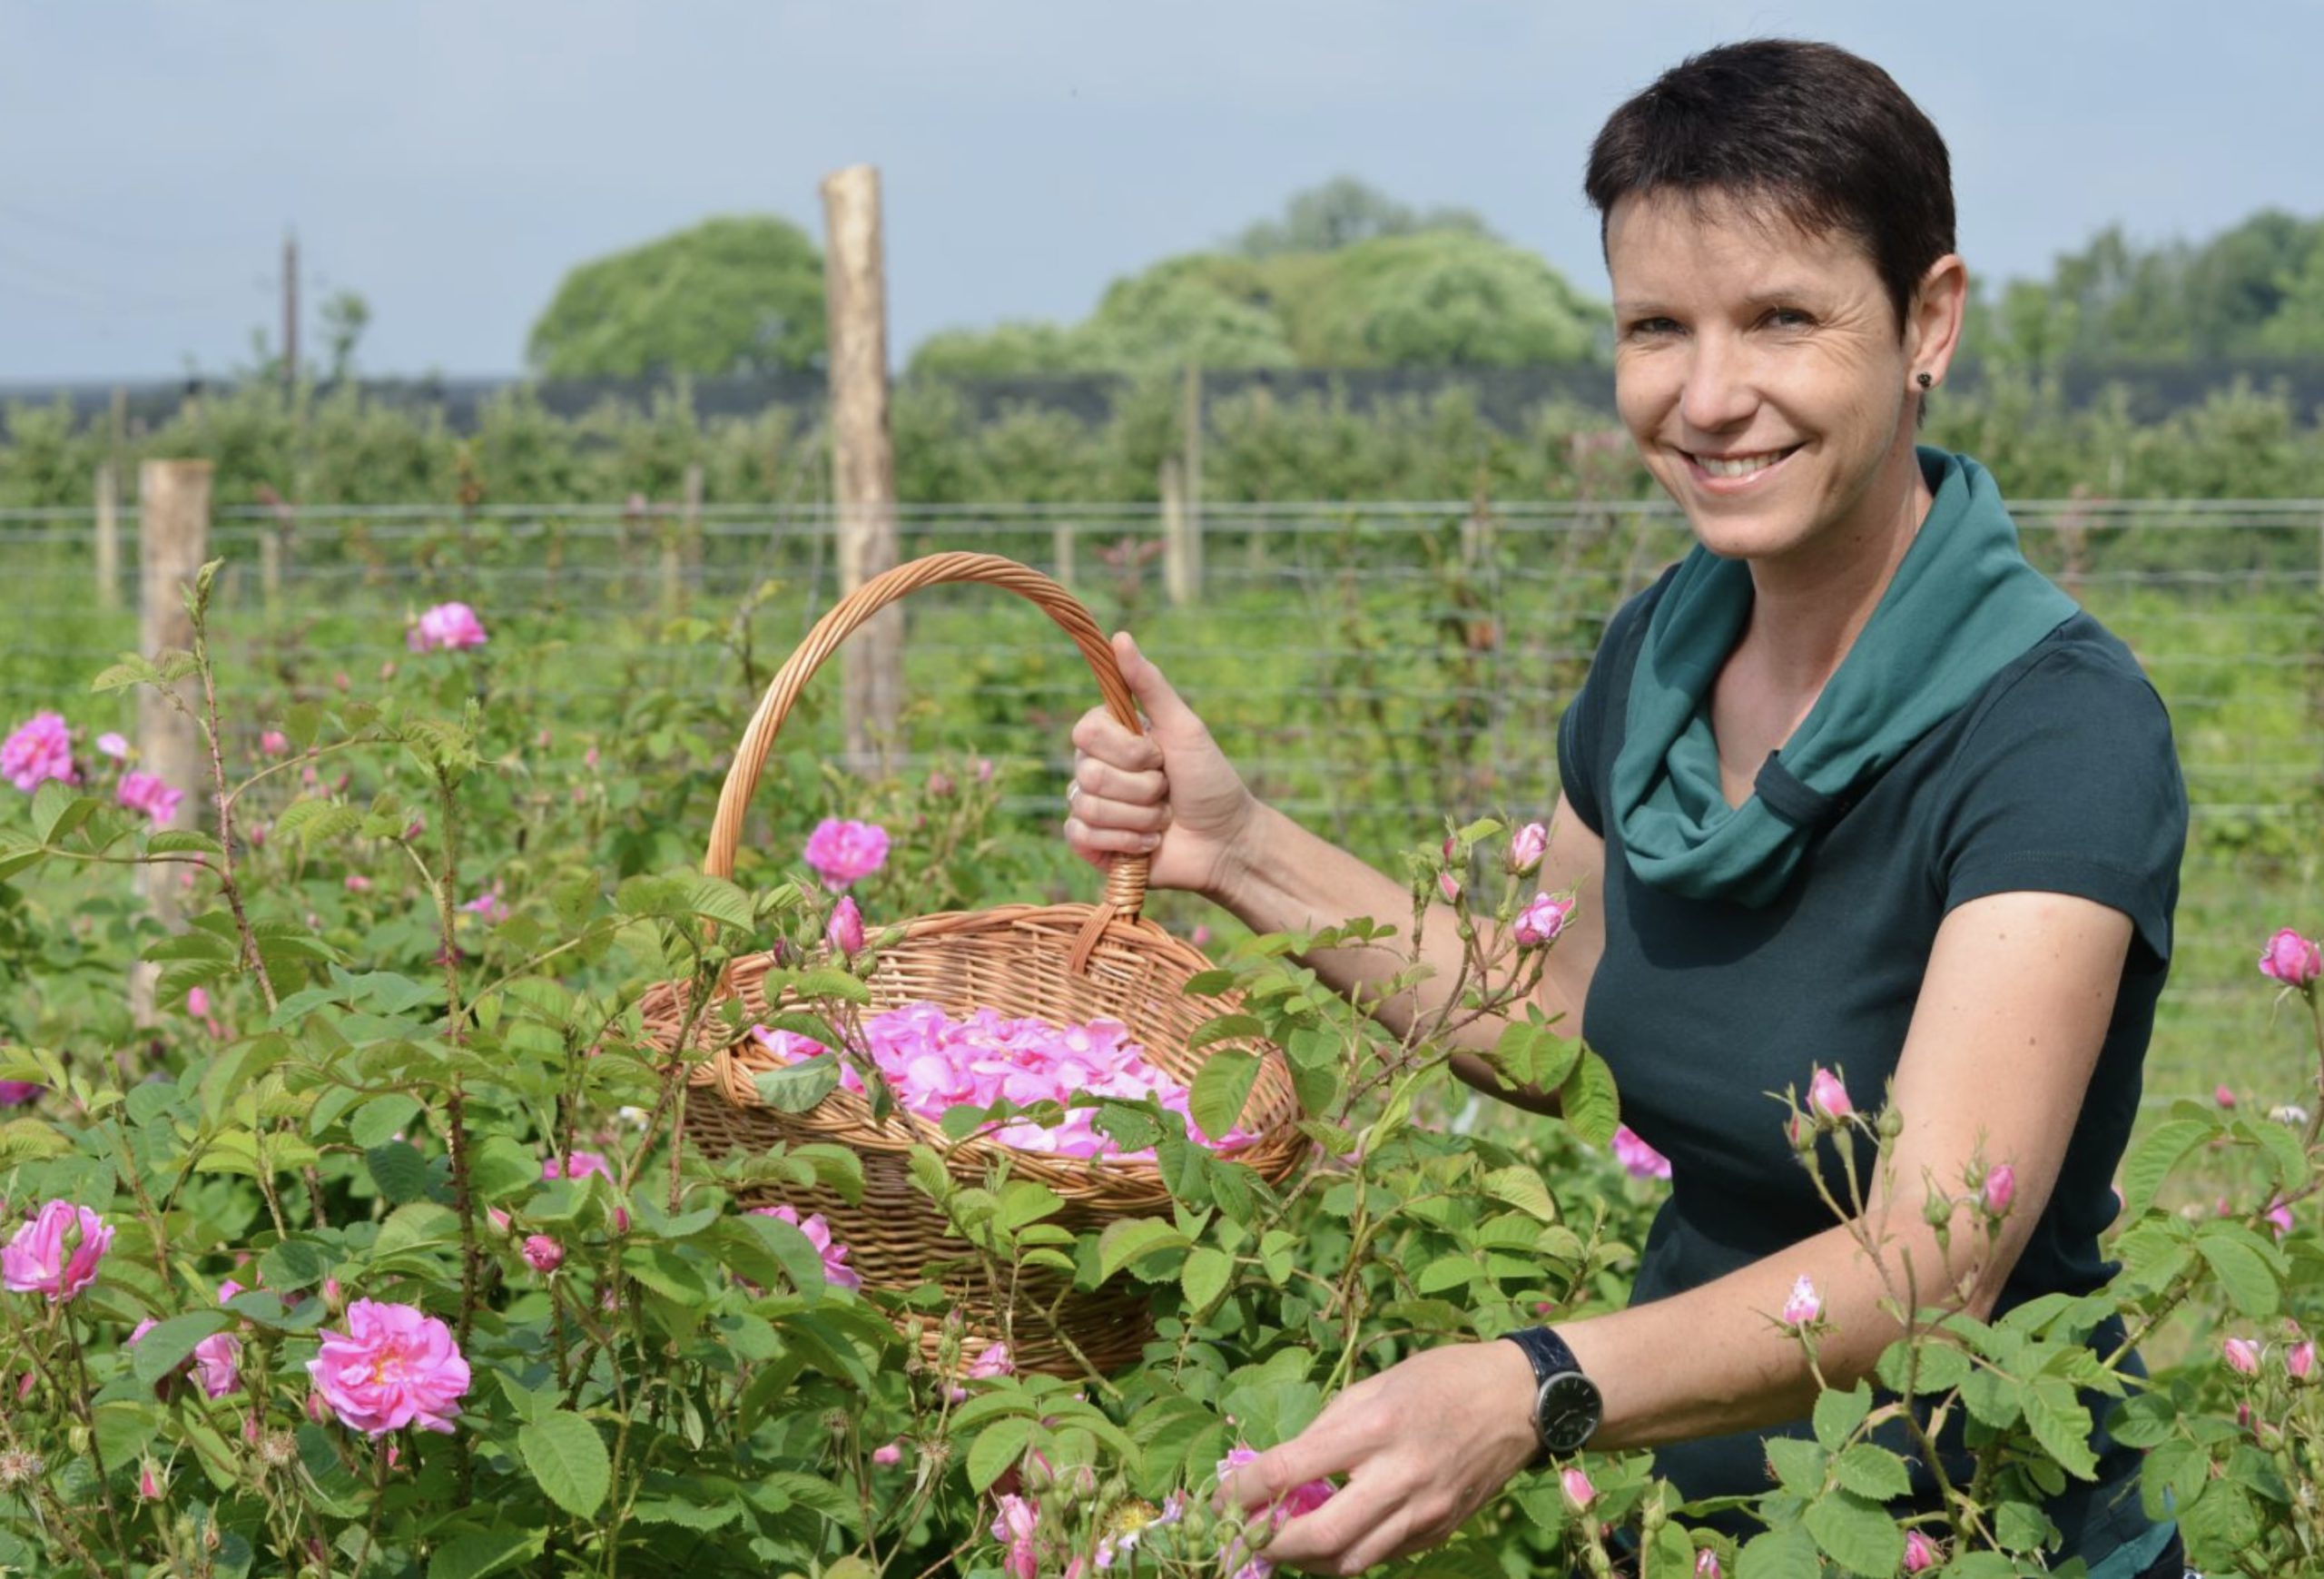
(1565, 1404)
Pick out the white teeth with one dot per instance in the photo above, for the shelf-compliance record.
(1738, 465)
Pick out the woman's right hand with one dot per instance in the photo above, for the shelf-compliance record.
(1169, 793)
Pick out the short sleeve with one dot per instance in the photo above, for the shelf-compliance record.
(1586, 743)
(2069, 782)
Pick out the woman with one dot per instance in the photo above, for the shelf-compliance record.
(1851, 786)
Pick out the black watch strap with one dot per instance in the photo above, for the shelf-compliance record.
(1548, 1351)
(1565, 1404)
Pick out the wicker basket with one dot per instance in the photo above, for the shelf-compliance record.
(1059, 962)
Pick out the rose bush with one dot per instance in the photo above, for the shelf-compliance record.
(385, 1256)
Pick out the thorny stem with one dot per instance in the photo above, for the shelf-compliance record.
(223, 801)
(456, 1128)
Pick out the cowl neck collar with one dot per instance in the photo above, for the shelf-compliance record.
(1963, 606)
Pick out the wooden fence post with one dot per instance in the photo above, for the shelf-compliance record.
(172, 537)
(690, 523)
(1062, 543)
(1182, 563)
(1175, 530)
(863, 471)
(108, 524)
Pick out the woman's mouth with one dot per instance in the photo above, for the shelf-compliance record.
(1738, 468)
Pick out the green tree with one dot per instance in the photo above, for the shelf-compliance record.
(740, 294)
(1344, 212)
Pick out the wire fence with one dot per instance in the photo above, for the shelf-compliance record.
(1372, 667)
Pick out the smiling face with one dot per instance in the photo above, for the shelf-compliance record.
(1764, 376)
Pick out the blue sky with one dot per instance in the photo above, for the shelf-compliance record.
(450, 158)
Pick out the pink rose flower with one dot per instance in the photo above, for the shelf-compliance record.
(1920, 1553)
(490, 905)
(2291, 959)
(273, 742)
(1578, 1489)
(1637, 1158)
(447, 627)
(1296, 1503)
(2278, 1216)
(114, 745)
(1449, 886)
(993, 1360)
(1826, 1097)
(1541, 922)
(358, 884)
(41, 748)
(2223, 1096)
(542, 1254)
(150, 794)
(218, 1364)
(2000, 1190)
(148, 1489)
(842, 852)
(1706, 1565)
(2242, 1356)
(2300, 1360)
(579, 1165)
(889, 1455)
(1804, 1305)
(16, 1093)
(1526, 848)
(845, 930)
(836, 1271)
(395, 1366)
(57, 1252)
(1016, 1527)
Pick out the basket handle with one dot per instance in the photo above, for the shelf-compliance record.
(1124, 874)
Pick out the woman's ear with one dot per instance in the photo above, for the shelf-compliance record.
(1932, 321)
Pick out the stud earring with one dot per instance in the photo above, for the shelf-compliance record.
(1926, 381)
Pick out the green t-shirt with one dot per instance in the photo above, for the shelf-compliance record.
(2059, 776)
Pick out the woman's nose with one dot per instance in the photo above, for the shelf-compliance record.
(1721, 390)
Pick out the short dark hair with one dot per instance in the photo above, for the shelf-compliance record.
(1825, 135)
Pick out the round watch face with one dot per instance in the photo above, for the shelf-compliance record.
(1566, 1411)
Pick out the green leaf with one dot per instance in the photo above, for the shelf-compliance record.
(1838, 1414)
(1788, 1554)
(1857, 1535)
(1943, 1367)
(2244, 1274)
(1220, 1089)
(381, 1119)
(1522, 1188)
(2061, 1425)
(1204, 1276)
(1798, 1464)
(168, 1344)
(57, 811)
(715, 899)
(831, 981)
(569, 1459)
(795, 1088)
(1131, 1238)
(1872, 1472)
(1587, 1099)
(501, 1166)
(398, 1169)
(1225, 1027)
(483, 1552)
(2152, 1159)
(182, 841)
(997, 1448)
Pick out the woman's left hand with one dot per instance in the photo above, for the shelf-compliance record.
(1420, 1446)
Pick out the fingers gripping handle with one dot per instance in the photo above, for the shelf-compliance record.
(1125, 876)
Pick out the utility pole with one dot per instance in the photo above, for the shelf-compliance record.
(290, 314)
